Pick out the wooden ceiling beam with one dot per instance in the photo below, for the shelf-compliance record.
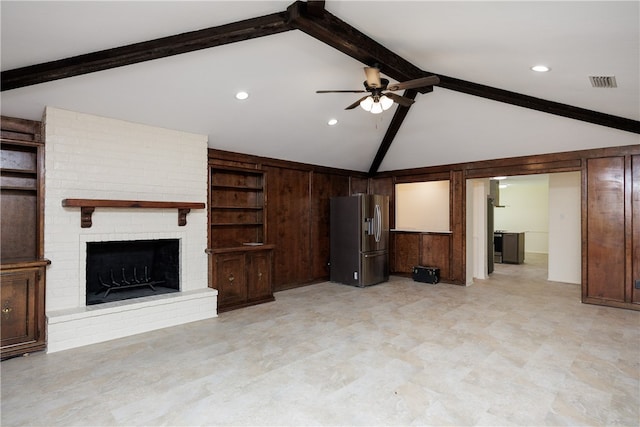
(315, 7)
(539, 104)
(314, 20)
(145, 51)
(336, 33)
(392, 130)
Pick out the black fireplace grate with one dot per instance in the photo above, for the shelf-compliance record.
(121, 270)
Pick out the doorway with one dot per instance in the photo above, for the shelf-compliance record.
(543, 208)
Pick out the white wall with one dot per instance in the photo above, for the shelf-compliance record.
(92, 157)
(477, 191)
(526, 210)
(422, 206)
(565, 242)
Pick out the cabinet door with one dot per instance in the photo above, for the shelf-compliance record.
(18, 305)
(230, 279)
(259, 275)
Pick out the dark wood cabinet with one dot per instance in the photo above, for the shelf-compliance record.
(230, 280)
(242, 276)
(240, 263)
(22, 297)
(22, 266)
(259, 284)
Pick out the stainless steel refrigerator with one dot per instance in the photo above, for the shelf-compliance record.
(359, 234)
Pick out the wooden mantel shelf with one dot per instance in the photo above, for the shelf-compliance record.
(87, 206)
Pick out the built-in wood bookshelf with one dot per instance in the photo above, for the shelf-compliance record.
(236, 207)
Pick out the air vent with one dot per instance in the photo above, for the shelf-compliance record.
(603, 81)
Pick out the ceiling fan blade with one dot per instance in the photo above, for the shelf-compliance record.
(412, 84)
(405, 102)
(340, 91)
(355, 104)
(373, 77)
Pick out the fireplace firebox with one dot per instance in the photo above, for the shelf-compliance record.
(120, 270)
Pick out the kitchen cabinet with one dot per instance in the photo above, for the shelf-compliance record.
(242, 276)
(508, 247)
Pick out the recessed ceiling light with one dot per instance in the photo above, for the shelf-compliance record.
(332, 122)
(540, 68)
(242, 95)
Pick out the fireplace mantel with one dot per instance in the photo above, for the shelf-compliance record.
(87, 206)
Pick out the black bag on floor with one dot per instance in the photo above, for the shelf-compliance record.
(426, 274)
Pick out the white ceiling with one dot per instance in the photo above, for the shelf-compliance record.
(492, 43)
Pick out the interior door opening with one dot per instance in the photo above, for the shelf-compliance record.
(537, 224)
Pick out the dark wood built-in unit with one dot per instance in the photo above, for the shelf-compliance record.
(240, 263)
(297, 202)
(242, 276)
(22, 313)
(22, 266)
(236, 207)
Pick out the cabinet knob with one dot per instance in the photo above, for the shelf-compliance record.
(231, 278)
(259, 274)
(6, 310)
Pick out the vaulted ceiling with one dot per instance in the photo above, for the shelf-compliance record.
(179, 64)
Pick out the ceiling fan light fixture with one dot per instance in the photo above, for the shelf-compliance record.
(386, 102)
(376, 108)
(367, 103)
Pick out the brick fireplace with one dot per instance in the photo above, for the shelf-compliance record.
(90, 157)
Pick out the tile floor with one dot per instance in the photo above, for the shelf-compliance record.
(511, 350)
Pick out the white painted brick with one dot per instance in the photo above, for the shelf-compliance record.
(99, 158)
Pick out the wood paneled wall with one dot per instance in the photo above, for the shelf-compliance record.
(635, 232)
(297, 203)
(610, 216)
(298, 212)
(409, 249)
(611, 230)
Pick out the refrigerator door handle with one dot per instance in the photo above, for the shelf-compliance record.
(378, 223)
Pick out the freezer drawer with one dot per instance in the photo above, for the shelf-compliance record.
(374, 267)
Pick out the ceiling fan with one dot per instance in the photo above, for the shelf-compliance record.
(378, 100)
